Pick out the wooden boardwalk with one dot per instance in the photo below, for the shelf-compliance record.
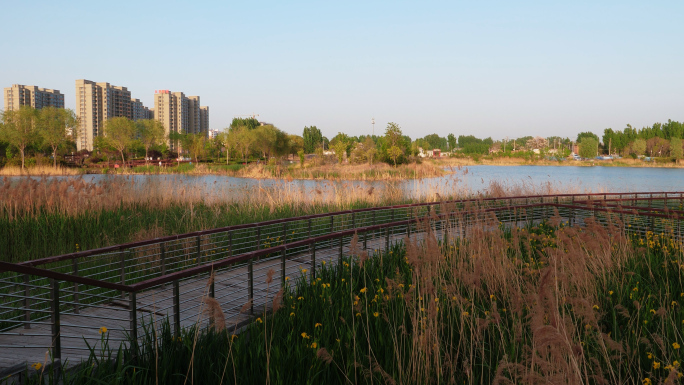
(79, 331)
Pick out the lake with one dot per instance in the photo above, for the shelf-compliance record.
(516, 180)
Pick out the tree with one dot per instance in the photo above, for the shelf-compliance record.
(451, 139)
(119, 134)
(194, 143)
(340, 148)
(370, 149)
(244, 141)
(302, 156)
(19, 129)
(658, 145)
(151, 133)
(394, 152)
(638, 147)
(587, 134)
(227, 139)
(676, 148)
(56, 126)
(295, 144)
(312, 138)
(249, 123)
(472, 145)
(588, 147)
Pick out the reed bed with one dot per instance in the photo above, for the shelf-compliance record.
(39, 171)
(547, 303)
(41, 216)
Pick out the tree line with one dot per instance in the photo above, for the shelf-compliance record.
(46, 131)
(53, 131)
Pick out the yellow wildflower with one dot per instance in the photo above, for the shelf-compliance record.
(292, 314)
(318, 325)
(375, 314)
(595, 307)
(675, 345)
(363, 290)
(259, 320)
(656, 365)
(103, 330)
(37, 366)
(314, 345)
(305, 336)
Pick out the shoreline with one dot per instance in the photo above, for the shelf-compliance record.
(382, 173)
(629, 163)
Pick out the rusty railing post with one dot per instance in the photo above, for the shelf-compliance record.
(250, 284)
(133, 315)
(122, 267)
(56, 339)
(258, 238)
(176, 308)
(162, 260)
(312, 248)
(230, 244)
(283, 258)
(199, 250)
(27, 303)
(74, 263)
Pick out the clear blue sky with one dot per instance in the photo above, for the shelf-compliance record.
(486, 68)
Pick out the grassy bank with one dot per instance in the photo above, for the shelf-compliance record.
(378, 171)
(544, 304)
(512, 161)
(43, 217)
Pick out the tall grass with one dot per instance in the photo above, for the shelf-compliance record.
(542, 304)
(41, 217)
(39, 171)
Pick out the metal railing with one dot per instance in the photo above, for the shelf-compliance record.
(62, 302)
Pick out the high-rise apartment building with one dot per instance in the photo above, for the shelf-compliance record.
(140, 111)
(97, 102)
(194, 114)
(20, 95)
(180, 113)
(204, 119)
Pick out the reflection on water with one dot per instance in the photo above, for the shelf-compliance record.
(514, 180)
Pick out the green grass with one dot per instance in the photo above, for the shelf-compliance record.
(547, 304)
(46, 234)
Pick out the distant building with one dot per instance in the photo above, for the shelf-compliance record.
(204, 119)
(20, 95)
(194, 115)
(180, 113)
(98, 102)
(213, 133)
(139, 111)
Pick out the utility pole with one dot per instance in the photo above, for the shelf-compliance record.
(373, 123)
